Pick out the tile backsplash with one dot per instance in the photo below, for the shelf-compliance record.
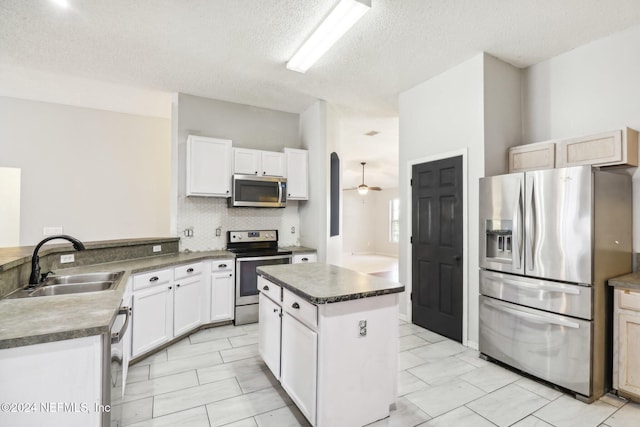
(205, 214)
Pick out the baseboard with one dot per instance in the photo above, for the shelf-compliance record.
(404, 317)
(472, 344)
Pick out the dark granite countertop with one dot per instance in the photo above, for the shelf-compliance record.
(35, 320)
(324, 283)
(628, 281)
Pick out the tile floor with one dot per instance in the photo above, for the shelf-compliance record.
(215, 377)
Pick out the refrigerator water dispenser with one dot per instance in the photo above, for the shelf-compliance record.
(499, 239)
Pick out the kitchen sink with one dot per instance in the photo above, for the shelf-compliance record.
(82, 278)
(71, 284)
(72, 288)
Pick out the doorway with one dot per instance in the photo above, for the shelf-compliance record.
(437, 246)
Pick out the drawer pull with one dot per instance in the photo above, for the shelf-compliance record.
(265, 288)
(222, 265)
(169, 287)
(189, 270)
(304, 259)
(177, 286)
(154, 279)
(295, 305)
(275, 310)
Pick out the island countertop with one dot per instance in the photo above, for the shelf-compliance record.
(321, 283)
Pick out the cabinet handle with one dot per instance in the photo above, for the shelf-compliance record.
(265, 288)
(189, 270)
(154, 279)
(230, 275)
(264, 173)
(169, 287)
(275, 310)
(222, 265)
(256, 172)
(177, 286)
(227, 191)
(295, 305)
(304, 259)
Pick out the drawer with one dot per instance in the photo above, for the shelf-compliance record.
(300, 258)
(629, 300)
(187, 270)
(270, 289)
(299, 308)
(153, 278)
(221, 265)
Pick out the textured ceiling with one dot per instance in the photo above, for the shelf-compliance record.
(236, 50)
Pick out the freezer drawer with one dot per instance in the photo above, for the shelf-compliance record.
(561, 298)
(549, 346)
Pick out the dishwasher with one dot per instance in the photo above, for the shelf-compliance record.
(115, 366)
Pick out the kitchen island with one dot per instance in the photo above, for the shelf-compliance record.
(330, 336)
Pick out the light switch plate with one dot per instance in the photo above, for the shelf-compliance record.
(51, 231)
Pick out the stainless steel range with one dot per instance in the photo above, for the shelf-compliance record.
(253, 248)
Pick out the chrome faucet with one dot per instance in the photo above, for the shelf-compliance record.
(34, 279)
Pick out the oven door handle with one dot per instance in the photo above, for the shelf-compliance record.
(262, 258)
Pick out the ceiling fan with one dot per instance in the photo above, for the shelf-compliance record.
(363, 188)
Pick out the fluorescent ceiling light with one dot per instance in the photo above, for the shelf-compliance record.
(61, 3)
(345, 14)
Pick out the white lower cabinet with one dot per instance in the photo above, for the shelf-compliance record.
(152, 318)
(269, 327)
(307, 257)
(188, 305)
(299, 364)
(222, 295)
(338, 361)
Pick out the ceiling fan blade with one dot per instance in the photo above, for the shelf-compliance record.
(375, 188)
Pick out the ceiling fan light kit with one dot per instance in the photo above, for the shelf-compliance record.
(363, 188)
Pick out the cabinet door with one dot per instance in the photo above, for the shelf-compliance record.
(188, 305)
(532, 157)
(246, 161)
(603, 148)
(628, 350)
(269, 314)
(208, 167)
(222, 296)
(297, 173)
(272, 163)
(299, 364)
(152, 317)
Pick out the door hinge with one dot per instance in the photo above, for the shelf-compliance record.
(411, 182)
(411, 239)
(411, 296)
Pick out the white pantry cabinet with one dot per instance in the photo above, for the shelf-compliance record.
(626, 370)
(257, 162)
(222, 295)
(208, 167)
(297, 173)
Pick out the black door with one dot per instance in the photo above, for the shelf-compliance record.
(437, 246)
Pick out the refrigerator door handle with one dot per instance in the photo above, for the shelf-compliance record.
(536, 318)
(531, 226)
(517, 220)
(536, 286)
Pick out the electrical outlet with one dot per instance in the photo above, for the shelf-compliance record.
(157, 248)
(51, 231)
(188, 232)
(218, 231)
(67, 258)
(293, 230)
(363, 328)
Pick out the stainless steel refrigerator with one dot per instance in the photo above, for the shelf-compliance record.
(549, 240)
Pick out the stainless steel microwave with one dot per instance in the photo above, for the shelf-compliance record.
(258, 191)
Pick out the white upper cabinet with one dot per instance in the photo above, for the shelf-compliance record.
(208, 166)
(257, 162)
(297, 173)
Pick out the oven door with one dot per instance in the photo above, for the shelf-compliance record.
(247, 278)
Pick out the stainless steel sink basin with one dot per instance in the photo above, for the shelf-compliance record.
(72, 288)
(82, 278)
(71, 284)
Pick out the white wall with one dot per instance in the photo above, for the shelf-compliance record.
(366, 223)
(98, 174)
(590, 89)
(9, 207)
(247, 127)
(444, 115)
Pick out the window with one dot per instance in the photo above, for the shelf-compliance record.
(394, 220)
